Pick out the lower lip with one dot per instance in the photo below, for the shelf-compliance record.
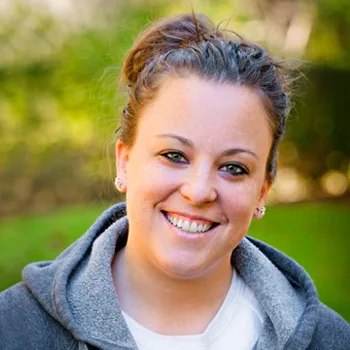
(188, 235)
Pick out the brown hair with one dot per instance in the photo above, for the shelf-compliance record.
(191, 44)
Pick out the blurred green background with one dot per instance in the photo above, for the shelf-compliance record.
(60, 102)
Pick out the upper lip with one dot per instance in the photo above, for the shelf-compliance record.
(192, 216)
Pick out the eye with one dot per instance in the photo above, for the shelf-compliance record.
(235, 169)
(175, 157)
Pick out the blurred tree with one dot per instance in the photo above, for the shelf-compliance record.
(288, 24)
(58, 103)
(330, 44)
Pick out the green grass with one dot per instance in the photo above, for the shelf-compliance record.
(315, 235)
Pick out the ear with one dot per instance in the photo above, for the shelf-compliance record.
(122, 159)
(262, 198)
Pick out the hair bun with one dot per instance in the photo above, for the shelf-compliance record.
(165, 35)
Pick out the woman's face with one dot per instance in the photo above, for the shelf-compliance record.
(195, 175)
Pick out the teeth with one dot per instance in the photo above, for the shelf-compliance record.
(193, 227)
(188, 226)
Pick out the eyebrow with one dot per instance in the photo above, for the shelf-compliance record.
(228, 152)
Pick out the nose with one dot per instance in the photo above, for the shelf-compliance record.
(199, 186)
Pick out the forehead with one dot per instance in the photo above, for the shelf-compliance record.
(206, 112)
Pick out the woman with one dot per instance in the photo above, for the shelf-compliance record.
(196, 157)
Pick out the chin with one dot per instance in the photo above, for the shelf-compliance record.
(185, 266)
(181, 272)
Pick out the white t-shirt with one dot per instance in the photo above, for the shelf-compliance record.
(237, 325)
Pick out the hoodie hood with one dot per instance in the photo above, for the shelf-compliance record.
(77, 289)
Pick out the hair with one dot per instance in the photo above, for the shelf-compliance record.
(190, 44)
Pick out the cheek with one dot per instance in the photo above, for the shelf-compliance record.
(239, 210)
(241, 200)
(150, 180)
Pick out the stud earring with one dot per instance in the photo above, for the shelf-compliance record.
(260, 212)
(119, 185)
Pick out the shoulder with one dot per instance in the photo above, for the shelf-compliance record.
(328, 329)
(332, 332)
(24, 324)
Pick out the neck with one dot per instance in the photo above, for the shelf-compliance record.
(164, 303)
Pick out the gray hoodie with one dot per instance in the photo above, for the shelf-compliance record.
(70, 303)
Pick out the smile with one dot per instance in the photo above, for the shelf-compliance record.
(189, 225)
